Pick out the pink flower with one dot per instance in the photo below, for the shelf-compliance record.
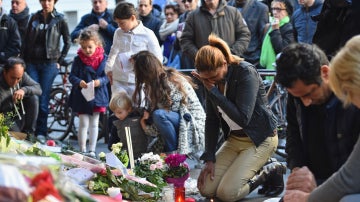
(174, 160)
(153, 166)
(159, 165)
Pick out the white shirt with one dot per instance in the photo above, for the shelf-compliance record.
(125, 45)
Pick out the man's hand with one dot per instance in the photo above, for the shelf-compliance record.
(103, 24)
(209, 169)
(301, 179)
(296, 196)
(18, 95)
(207, 83)
(109, 75)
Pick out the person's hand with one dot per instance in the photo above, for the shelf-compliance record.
(103, 24)
(109, 75)
(94, 27)
(178, 34)
(18, 95)
(146, 115)
(301, 179)
(296, 196)
(83, 84)
(207, 83)
(96, 83)
(275, 24)
(209, 169)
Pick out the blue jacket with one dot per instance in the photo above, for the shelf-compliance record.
(80, 71)
(91, 18)
(247, 108)
(304, 26)
(341, 130)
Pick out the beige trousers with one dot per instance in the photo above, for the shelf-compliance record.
(237, 161)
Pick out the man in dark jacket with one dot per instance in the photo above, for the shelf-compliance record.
(256, 15)
(19, 93)
(321, 133)
(150, 21)
(10, 41)
(101, 20)
(20, 13)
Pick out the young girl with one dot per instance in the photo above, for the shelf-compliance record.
(87, 69)
(127, 116)
(131, 37)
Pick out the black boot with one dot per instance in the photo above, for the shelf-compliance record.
(275, 181)
(257, 180)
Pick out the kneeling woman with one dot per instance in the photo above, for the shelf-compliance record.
(175, 109)
(236, 102)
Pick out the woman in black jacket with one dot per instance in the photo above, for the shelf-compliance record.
(236, 103)
(43, 56)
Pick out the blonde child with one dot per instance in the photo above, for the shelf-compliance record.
(87, 70)
(130, 38)
(127, 116)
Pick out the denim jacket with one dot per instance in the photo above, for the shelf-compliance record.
(245, 103)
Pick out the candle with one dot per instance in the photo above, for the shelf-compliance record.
(113, 191)
(180, 194)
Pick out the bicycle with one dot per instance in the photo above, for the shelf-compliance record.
(62, 121)
(277, 98)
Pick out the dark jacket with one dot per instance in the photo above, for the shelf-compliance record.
(80, 71)
(248, 108)
(341, 131)
(6, 97)
(91, 18)
(10, 41)
(282, 37)
(256, 15)
(304, 26)
(22, 20)
(57, 29)
(153, 23)
(227, 23)
(336, 24)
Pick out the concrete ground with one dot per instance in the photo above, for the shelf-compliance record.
(252, 197)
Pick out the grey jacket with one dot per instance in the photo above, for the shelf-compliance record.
(27, 84)
(227, 23)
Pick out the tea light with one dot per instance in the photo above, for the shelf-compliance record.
(113, 191)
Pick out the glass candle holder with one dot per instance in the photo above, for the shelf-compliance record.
(180, 194)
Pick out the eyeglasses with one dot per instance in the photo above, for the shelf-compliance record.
(184, 1)
(278, 9)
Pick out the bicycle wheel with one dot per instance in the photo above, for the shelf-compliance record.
(59, 114)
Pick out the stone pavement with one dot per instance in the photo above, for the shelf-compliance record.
(194, 172)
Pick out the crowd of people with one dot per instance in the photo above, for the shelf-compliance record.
(129, 59)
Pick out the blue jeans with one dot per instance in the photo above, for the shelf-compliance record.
(44, 74)
(167, 122)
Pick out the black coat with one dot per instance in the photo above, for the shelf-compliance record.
(10, 41)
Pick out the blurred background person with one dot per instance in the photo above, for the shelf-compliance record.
(21, 14)
(149, 20)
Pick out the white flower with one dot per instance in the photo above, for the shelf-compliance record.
(116, 150)
(102, 155)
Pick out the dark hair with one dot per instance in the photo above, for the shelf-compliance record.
(175, 7)
(300, 61)
(124, 10)
(288, 6)
(12, 61)
(152, 77)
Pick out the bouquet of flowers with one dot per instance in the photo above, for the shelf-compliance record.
(5, 123)
(121, 154)
(176, 169)
(151, 167)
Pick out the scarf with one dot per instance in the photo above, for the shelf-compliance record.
(168, 28)
(94, 60)
(268, 55)
(18, 17)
